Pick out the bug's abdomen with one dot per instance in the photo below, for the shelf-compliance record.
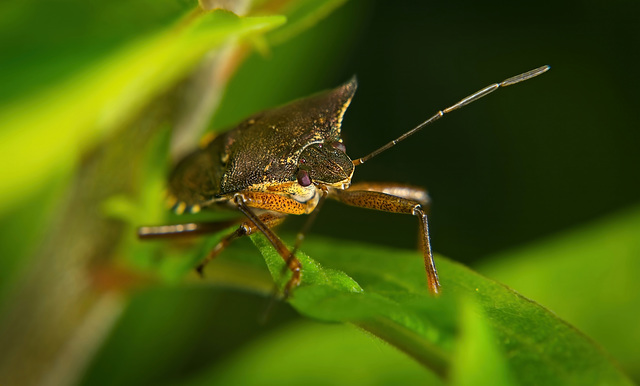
(195, 181)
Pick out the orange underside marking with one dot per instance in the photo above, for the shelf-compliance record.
(275, 202)
(284, 187)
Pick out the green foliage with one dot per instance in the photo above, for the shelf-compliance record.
(336, 354)
(93, 84)
(532, 343)
(588, 277)
(477, 330)
(362, 314)
(100, 98)
(478, 360)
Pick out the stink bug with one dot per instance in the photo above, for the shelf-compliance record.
(287, 161)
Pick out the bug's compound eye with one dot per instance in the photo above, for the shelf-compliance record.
(339, 146)
(303, 178)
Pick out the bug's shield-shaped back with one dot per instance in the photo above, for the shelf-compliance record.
(265, 148)
(261, 151)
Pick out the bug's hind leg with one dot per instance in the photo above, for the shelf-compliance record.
(396, 198)
(245, 229)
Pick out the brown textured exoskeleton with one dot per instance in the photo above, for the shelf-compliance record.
(287, 161)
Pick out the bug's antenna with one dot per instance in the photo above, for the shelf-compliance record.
(465, 101)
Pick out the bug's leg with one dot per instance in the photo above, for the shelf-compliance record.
(307, 225)
(291, 261)
(396, 198)
(196, 229)
(182, 230)
(245, 229)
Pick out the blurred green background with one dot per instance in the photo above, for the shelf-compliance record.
(512, 177)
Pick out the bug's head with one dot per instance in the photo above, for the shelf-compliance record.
(325, 163)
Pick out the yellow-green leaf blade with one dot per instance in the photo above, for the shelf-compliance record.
(57, 123)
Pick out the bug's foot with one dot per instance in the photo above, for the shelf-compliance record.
(292, 283)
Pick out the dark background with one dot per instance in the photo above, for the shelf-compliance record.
(526, 162)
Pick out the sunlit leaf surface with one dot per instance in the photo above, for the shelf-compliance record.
(589, 277)
(537, 346)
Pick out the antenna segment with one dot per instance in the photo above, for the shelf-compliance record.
(465, 101)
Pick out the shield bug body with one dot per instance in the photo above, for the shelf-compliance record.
(287, 161)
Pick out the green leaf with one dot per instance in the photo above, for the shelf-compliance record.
(589, 277)
(307, 353)
(478, 360)
(59, 122)
(395, 305)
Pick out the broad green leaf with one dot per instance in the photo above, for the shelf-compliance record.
(394, 304)
(478, 360)
(307, 353)
(589, 277)
(57, 123)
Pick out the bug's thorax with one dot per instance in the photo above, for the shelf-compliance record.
(322, 168)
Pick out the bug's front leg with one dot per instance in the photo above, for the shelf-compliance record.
(293, 264)
(396, 198)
